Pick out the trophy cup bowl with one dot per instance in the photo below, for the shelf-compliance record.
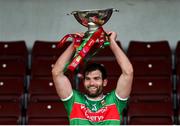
(93, 18)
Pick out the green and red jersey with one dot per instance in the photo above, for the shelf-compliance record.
(84, 111)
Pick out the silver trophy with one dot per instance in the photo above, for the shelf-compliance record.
(93, 20)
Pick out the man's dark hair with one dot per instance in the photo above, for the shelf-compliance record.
(95, 66)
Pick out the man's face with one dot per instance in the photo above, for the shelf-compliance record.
(94, 83)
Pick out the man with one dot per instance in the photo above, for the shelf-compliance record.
(94, 107)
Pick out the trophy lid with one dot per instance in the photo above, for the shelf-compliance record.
(99, 17)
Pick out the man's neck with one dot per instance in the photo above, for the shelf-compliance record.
(100, 97)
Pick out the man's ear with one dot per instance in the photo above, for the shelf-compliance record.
(105, 81)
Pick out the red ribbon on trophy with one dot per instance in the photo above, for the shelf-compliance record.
(83, 45)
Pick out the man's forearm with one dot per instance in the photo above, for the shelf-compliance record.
(63, 60)
(121, 58)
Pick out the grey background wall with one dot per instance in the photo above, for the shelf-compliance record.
(147, 20)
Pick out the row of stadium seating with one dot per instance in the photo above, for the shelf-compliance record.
(28, 95)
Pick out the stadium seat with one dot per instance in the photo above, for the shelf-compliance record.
(44, 56)
(47, 48)
(150, 113)
(149, 48)
(177, 58)
(42, 67)
(178, 93)
(151, 66)
(177, 49)
(112, 83)
(12, 67)
(42, 89)
(49, 121)
(14, 49)
(152, 89)
(10, 113)
(150, 58)
(11, 88)
(46, 113)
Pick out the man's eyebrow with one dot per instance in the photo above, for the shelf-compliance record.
(97, 77)
(87, 77)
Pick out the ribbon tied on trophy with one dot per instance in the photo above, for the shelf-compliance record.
(93, 19)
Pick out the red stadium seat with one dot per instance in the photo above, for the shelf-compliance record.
(112, 83)
(11, 88)
(42, 67)
(177, 58)
(151, 67)
(44, 56)
(10, 113)
(177, 50)
(49, 121)
(42, 89)
(149, 48)
(150, 58)
(47, 48)
(151, 89)
(178, 92)
(178, 116)
(150, 113)
(177, 70)
(178, 101)
(42, 113)
(12, 67)
(14, 49)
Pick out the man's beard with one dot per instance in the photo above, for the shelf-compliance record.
(93, 94)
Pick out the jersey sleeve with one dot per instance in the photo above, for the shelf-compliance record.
(121, 103)
(69, 101)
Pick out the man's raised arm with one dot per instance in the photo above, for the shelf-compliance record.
(62, 83)
(124, 83)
